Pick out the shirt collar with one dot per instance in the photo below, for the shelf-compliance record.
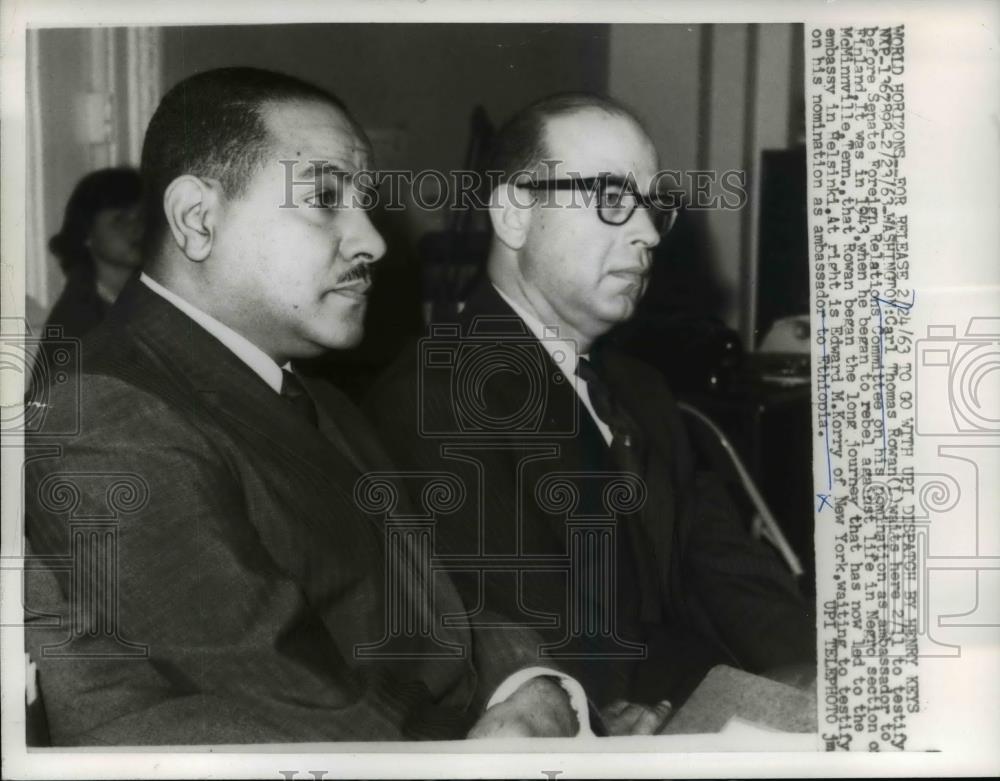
(106, 294)
(562, 351)
(239, 345)
(564, 355)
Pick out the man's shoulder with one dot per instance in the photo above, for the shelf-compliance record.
(424, 361)
(76, 312)
(628, 371)
(113, 351)
(400, 374)
(441, 373)
(106, 385)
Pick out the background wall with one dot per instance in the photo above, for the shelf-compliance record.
(91, 93)
(413, 87)
(711, 96)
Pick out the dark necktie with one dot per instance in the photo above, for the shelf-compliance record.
(295, 393)
(627, 455)
(626, 440)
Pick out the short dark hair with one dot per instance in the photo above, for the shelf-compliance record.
(211, 125)
(519, 145)
(107, 188)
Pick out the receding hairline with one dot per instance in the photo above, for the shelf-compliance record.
(608, 109)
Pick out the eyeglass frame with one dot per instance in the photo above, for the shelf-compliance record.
(603, 181)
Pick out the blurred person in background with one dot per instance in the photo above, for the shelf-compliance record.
(98, 247)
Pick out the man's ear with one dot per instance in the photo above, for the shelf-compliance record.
(192, 208)
(510, 212)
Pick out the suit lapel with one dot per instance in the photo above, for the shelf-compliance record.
(588, 449)
(342, 423)
(197, 360)
(561, 414)
(201, 362)
(348, 424)
(658, 515)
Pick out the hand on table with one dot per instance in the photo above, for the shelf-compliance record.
(633, 718)
(539, 708)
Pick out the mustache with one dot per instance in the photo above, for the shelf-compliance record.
(362, 271)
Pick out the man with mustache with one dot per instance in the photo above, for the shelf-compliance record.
(537, 420)
(238, 590)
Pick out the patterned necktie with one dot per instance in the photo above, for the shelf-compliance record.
(295, 393)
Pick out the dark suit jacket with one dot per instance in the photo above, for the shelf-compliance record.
(243, 573)
(692, 584)
(79, 308)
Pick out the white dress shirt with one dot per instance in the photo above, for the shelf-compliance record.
(563, 352)
(106, 294)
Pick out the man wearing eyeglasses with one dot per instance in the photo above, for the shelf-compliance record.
(585, 513)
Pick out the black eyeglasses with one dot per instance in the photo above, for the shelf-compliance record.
(616, 199)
